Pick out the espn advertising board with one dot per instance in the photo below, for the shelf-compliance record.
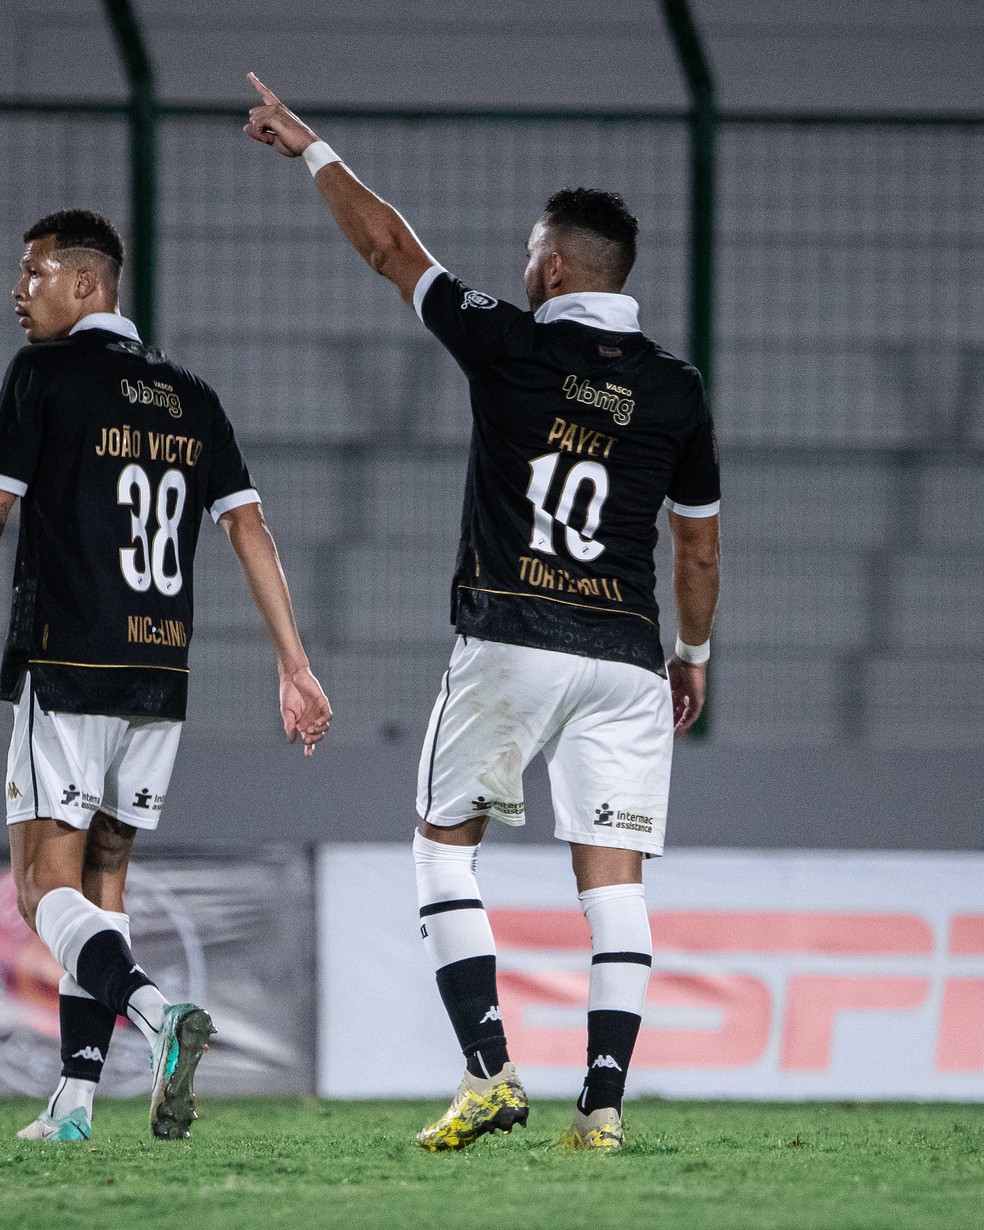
(775, 975)
(230, 932)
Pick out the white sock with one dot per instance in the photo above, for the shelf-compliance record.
(445, 875)
(621, 946)
(67, 984)
(66, 921)
(71, 1094)
(146, 1010)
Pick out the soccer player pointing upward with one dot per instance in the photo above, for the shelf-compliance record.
(114, 452)
(583, 429)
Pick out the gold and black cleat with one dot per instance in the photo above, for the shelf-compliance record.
(498, 1103)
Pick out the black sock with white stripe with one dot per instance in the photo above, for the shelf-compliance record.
(458, 938)
(86, 1026)
(86, 1032)
(469, 993)
(89, 943)
(622, 956)
(611, 1040)
(107, 970)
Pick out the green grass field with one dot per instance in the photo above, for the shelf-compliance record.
(304, 1163)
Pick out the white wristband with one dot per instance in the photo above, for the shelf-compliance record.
(318, 154)
(694, 655)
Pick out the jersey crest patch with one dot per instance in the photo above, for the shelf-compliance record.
(476, 299)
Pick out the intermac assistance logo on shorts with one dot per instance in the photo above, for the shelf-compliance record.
(482, 804)
(638, 822)
(475, 299)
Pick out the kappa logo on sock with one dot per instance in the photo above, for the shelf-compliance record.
(90, 1052)
(493, 1014)
(606, 1061)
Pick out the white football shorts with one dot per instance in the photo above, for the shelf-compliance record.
(68, 766)
(605, 730)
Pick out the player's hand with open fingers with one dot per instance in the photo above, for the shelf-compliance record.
(688, 684)
(305, 709)
(272, 123)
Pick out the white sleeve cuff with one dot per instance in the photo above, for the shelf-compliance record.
(236, 500)
(693, 510)
(425, 282)
(13, 485)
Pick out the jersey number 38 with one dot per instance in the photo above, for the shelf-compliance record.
(148, 561)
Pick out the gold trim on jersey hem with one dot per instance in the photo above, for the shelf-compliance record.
(108, 666)
(582, 606)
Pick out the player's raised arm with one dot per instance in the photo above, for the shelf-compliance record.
(373, 227)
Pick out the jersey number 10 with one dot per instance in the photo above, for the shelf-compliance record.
(580, 543)
(145, 562)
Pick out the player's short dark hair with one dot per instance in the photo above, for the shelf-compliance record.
(80, 228)
(602, 214)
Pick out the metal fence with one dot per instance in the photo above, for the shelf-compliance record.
(849, 393)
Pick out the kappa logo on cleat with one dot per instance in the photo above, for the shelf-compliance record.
(493, 1014)
(604, 814)
(606, 1061)
(90, 1052)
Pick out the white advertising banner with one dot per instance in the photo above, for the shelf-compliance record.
(229, 932)
(775, 975)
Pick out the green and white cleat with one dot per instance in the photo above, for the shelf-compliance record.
(182, 1041)
(600, 1131)
(480, 1105)
(74, 1126)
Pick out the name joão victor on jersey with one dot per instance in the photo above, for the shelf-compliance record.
(127, 441)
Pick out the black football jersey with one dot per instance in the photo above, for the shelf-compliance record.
(579, 435)
(115, 451)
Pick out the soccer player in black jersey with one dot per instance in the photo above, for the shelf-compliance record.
(582, 430)
(114, 452)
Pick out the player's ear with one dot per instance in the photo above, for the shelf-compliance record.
(86, 283)
(555, 270)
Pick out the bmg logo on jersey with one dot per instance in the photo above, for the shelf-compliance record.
(161, 395)
(614, 398)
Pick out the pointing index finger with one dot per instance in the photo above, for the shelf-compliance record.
(264, 91)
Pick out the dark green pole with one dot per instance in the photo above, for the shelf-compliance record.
(143, 163)
(703, 138)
